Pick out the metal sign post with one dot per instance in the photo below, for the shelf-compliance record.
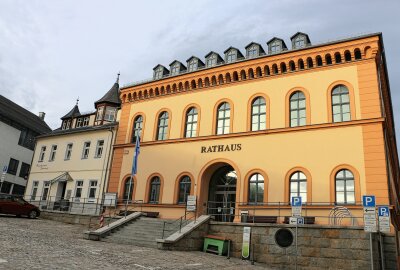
(296, 217)
(370, 220)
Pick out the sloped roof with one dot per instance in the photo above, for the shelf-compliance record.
(16, 113)
(112, 96)
(72, 113)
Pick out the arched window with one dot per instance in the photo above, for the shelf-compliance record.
(184, 189)
(275, 69)
(347, 56)
(128, 188)
(357, 54)
(338, 58)
(344, 187)
(301, 64)
(154, 194)
(298, 186)
(137, 128)
(292, 66)
(309, 62)
(191, 122)
(162, 130)
(328, 59)
(297, 109)
(319, 61)
(340, 104)
(283, 67)
(256, 189)
(223, 118)
(258, 114)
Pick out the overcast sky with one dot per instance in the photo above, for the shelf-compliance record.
(53, 51)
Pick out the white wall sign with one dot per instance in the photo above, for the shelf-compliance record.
(110, 199)
(191, 203)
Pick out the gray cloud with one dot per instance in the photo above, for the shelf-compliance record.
(51, 52)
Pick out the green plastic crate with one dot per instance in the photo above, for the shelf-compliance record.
(216, 246)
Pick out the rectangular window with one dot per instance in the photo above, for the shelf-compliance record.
(79, 122)
(13, 166)
(53, 153)
(86, 121)
(68, 151)
(99, 149)
(92, 190)
(46, 186)
(86, 148)
(110, 114)
(24, 172)
(78, 190)
(99, 115)
(42, 153)
(35, 186)
(27, 139)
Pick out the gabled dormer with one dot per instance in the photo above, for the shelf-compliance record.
(159, 72)
(194, 63)
(232, 54)
(69, 117)
(254, 50)
(276, 45)
(213, 59)
(176, 68)
(300, 40)
(108, 105)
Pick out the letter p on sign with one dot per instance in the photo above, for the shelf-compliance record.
(296, 201)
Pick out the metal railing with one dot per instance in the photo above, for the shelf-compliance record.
(321, 213)
(177, 224)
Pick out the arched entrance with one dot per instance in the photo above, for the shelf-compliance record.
(222, 194)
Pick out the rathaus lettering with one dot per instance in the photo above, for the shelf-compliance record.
(221, 148)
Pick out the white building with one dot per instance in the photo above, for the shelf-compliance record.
(71, 165)
(18, 129)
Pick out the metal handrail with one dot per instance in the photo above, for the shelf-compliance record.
(180, 219)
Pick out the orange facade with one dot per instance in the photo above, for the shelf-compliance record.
(318, 148)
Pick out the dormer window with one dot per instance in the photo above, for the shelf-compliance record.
(175, 69)
(66, 124)
(276, 46)
(110, 114)
(231, 56)
(211, 61)
(158, 73)
(79, 122)
(252, 51)
(193, 65)
(300, 42)
(99, 115)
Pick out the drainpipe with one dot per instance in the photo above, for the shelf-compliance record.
(110, 157)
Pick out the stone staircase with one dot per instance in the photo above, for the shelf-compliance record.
(389, 247)
(142, 232)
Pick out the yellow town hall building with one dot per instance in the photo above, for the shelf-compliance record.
(248, 130)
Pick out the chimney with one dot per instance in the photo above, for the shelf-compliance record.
(42, 115)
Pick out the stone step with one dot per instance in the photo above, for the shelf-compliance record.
(133, 238)
(151, 244)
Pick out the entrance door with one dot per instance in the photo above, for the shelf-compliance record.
(222, 194)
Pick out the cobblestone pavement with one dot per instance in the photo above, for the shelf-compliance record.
(45, 244)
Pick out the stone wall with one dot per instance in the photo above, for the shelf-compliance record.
(70, 218)
(318, 246)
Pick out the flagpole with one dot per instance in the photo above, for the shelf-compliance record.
(132, 172)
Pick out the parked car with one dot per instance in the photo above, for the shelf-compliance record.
(16, 205)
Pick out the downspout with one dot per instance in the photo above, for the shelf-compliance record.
(110, 156)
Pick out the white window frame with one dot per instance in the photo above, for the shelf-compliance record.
(46, 184)
(99, 114)
(109, 115)
(99, 148)
(42, 153)
(53, 153)
(79, 122)
(35, 187)
(68, 150)
(76, 198)
(92, 199)
(86, 147)
(85, 121)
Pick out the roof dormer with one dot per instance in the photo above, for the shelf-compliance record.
(213, 59)
(254, 50)
(159, 72)
(176, 68)
(276, 45)
(107, 106)
(69, 117)
(300, 40)
(194, 63)
(232, 54)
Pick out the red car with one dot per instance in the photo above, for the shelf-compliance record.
(15, 205)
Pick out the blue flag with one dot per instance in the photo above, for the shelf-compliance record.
(135, 158)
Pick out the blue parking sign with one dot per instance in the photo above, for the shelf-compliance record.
(296, 201)
(368, 201)
(383, 211)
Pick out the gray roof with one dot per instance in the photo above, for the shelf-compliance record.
(72, 113)
(60, 131)
(112, 96)
(15, 113)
